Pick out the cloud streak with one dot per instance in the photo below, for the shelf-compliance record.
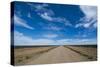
(47, 17)
(90, 12)
(90, 18)
(21, 22)
(22, 40)
(77, 41)
(49, 14)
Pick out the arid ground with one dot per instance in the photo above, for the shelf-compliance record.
(54, 54)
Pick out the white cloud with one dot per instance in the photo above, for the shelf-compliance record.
(20, 39)
(87, 41)
(63, 41)
(89, 11)
(49, 14)
(50, 35)
(40, 6)
(21, 22)
(46, 16)
(77, 41)
(86, 23)
(90, 18)
(44, 42)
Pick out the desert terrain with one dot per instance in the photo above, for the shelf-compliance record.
(54, 54)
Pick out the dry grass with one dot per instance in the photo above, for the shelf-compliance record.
(54, 54)
(90, 52)
(22, 55)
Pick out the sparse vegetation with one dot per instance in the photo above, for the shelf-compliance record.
(22, 55)
(27, 54)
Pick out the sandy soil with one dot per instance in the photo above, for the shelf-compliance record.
(58, 54)
(89, 51)
(22, 55)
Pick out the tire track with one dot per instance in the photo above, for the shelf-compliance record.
(58, 55)
(33, 56)
(89, 57)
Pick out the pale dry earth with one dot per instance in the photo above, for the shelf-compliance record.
(58, 54)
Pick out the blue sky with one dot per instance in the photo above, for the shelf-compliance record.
(54, 24)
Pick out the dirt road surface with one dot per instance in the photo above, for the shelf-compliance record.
(58, 55)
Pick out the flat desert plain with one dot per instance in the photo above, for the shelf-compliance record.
(54, 54)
